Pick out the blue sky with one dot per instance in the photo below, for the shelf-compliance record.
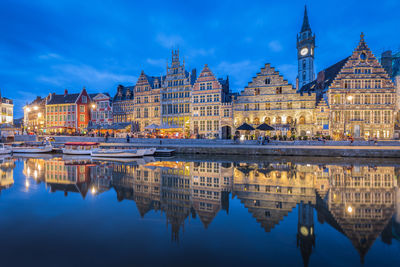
(47, 46)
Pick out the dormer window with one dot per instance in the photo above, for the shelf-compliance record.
(84, 99)
(268, 81)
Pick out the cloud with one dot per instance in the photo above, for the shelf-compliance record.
(169, 41)
(160, 62)
(201, 52)
(275, 46)
(66, 74)
(48, 56)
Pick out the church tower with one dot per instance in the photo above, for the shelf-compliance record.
(305, 53)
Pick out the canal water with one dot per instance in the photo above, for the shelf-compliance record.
(199, 211)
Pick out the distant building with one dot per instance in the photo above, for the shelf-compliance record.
(209, 95)
(176, 90)
(147, 101)
(35, 116)
(67, 113)
(123, 106)
(7, 110)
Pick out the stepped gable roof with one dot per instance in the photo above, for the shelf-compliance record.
(362, 57)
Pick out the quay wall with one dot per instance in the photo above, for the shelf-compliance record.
(383, 149)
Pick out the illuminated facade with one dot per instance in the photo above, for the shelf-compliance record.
(176, 94)
(101, 109)
(362, 98)
(123, 105)
(7, 110)
(147, 101)
(68, 112)
(35, 116)
(271, 99)
(209, 95)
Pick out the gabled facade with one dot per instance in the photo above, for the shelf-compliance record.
(271, 99)
(123, 105)
(34, 116)
(101, 109)
(208, 96)
(7, 110)
(147, 101)
(362, 98)
(67, 113)
(176, 94)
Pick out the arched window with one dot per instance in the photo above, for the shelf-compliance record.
(304, 63)
(278, 120)
(302, 120)
(289, 120)
(256, 120)
(267, 120)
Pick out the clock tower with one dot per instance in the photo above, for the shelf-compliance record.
(305, 53)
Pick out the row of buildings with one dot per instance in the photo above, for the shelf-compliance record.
(358, 200)
(356, 96)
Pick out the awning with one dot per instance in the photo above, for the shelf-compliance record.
(265, 127)
(245, 127)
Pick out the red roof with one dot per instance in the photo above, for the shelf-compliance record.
(81, 143)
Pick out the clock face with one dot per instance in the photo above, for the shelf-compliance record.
(304, 51)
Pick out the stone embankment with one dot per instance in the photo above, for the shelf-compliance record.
(387, 149)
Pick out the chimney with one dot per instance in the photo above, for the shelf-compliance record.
(65, 92)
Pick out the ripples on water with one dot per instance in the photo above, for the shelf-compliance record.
(199, 211)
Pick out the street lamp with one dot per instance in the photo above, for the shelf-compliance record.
(35, 108)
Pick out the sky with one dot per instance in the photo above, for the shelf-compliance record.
(49, 46)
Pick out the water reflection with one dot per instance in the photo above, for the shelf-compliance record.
(7, 166)
(360, 201)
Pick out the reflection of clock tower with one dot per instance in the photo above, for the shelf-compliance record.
(305, 53)
(305, 231)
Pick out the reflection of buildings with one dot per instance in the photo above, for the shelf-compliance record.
(67, 176)
(7, 166)
(362, 201)
(211, 185)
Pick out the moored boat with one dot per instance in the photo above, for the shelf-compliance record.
(4, 150)
(79, 148)
(150, 151)
(118, 153)
(44, 148)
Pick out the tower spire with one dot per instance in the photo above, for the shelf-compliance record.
(306, 24)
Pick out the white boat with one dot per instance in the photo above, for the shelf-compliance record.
(118, 153)
(4, 150)
(44, 148)
(79, 148)
(150, 151)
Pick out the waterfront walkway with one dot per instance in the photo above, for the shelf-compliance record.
(251, 147)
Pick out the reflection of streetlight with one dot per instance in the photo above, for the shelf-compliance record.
(349, 209)
(26, 183)
(93, 190)
(39, 115)
(349, 97)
